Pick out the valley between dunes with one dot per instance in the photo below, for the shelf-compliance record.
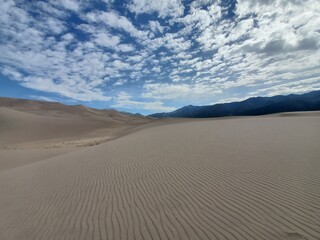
(230, 178)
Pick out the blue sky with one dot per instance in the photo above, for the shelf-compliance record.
(154, 56)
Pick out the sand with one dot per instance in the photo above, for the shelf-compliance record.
(241, 178)
(24, 127)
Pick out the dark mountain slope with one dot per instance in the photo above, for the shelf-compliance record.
(250, 107)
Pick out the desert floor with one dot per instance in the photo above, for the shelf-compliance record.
(229, 178)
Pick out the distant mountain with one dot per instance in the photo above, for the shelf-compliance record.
(250, 107)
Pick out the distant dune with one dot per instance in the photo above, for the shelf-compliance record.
(242, 178)
(26, 123)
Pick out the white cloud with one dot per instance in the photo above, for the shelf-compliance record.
(265, 44)
(73, 5)
(278, 43)
(156, 69)
(177, 44)
(36, 59)
(203, 18)
(11, 73)
(125, 48)
(296, 87)
(135, 58)
(156, 27)
(120, 82)
(165, 8)
(165, 91)
(106, 40)
(114, 20)
(45, 7)
(67, 37)
(53, 25)
(120, 65)
(186, 92)
(284, 26)
(124, 100)
(79, 92)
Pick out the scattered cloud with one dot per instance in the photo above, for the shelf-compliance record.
(124, 100)
(115, 21)
(164, 8)
(156, 27)
(161, 53)
(72, 5)
(11, 73)
(106, 40)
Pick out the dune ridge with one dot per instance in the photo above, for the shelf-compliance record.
(32, 124)
(253, 178)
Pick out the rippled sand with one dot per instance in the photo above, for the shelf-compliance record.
(243, 178)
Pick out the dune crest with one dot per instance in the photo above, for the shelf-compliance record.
(38, 124)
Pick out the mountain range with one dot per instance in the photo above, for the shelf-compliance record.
(249, 107)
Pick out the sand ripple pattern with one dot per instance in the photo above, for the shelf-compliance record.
(250, 179)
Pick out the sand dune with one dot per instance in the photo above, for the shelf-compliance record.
(246, 178)
(12, 158)
(28, 123)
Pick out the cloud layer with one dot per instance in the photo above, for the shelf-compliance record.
(159, 55)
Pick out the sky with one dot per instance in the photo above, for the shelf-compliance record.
(152, 56)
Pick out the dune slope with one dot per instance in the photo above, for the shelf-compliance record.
(26, 123)
(251, 178)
